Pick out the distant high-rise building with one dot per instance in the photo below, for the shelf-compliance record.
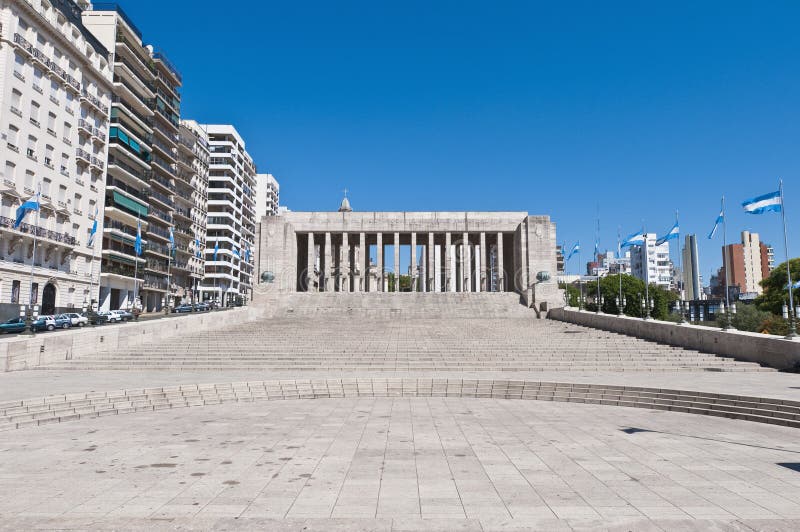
(608, 263)
(650, 262)
(747, 263)
(192, 195)
(231, 224)
(691, 269)
(267, 195)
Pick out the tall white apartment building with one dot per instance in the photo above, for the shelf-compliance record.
(267, 195)
(692, 282)
(192, 196)
(230, 227)
(55, 92)
(650, 262)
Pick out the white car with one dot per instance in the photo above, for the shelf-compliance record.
(77, 319)
(115, 316)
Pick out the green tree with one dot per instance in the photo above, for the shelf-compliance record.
(747, 318)
(776, 292)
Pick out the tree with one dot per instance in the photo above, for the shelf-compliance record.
(747, 318)
(634, 292)
(776, 293)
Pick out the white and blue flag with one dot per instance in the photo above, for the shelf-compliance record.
(197, 247)
(216, 249)
(575, 249)
(171, 239)
(771, 202)
(247, 253)
(236, 252)
(137, 245)
(94, 229)
(672, 234)
(31, 205)
(634, 239)
(720, 219)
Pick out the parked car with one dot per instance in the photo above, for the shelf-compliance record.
(112, 316)
(14, 325)
(78, 320)
(202, 307)
(98, 318)
(63, 321)
(124, 314)
(183, 308)
(44, 323)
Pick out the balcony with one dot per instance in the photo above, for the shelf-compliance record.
(62, 239)
(138, 173)
(95, 101)
(143, 100)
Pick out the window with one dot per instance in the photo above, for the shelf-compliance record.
(19, 65)
(11, 170)
(29, 175)
(37, 79)
(48, 156)
(15, 292)
(54, 91)
(67, 130)
(70, 102)
(62, 193)
(51, 123)
(77, 202)
(15, 99)
(32, 146)
(46, 182)
(35, 108)
(65, 164)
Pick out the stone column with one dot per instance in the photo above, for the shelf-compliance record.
(379, 276)
(344, 265)
(310, 267)
(466, 260)
(361, 258)
(500, 273)
(327, 268)
(484, 268)
(430, 271)
(414, 272)
(397, 262)
(448, 283)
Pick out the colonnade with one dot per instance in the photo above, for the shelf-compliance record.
(439, 262)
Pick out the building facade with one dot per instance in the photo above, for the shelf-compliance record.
(231, 222)
(54, 109)
(143, 162)
(192, 191)
(267, 196)
(459, 252)
(650, 262)
(746, 264)
(692, 281)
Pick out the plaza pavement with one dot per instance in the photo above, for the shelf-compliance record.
(401, 463)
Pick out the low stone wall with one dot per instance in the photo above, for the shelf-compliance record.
(772, 351)
(24, 352)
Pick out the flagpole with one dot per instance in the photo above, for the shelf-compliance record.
(33, 258)
(682, 277)
(646, 263)
(792, 317)
(169, 264)
(725, 255)
(580, 278)
(136, 262)
(620, 305)
(596, 252)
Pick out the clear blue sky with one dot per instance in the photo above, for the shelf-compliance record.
(552, 108)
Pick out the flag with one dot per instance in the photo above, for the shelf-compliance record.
(634, 239)
(94, 229)
(771, 202)
(138, 244)
(672, 234)
(575, 249)
(31, 205)
(171, 239)
(197, 247)
(216, 249)
(795, 285)
(236, 252)
(720, 219)
(247, 253)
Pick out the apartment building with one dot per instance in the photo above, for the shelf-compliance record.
(54, 111)
(651, 263)
(267, 195)
(231, 218)
(192, 197)
(142, 171)
(748, 264)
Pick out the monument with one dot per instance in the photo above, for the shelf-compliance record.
(445, 251)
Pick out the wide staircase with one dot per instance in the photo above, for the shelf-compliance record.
(405, 332)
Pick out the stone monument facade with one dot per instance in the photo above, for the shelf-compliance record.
(345, 251)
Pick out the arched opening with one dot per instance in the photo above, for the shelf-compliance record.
(49, 299)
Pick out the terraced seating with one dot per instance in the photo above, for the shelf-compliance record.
(61, 408)
(405, 332)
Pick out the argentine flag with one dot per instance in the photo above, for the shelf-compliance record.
(575, 249)
(672, 234)
(171, 239)
(137, 246)
(720, 219)
(247, 253)
(31, 205)
(634, 239)
(236, 252)
(216, 249)
(94, 230)
(197, 247)
(771, 202)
